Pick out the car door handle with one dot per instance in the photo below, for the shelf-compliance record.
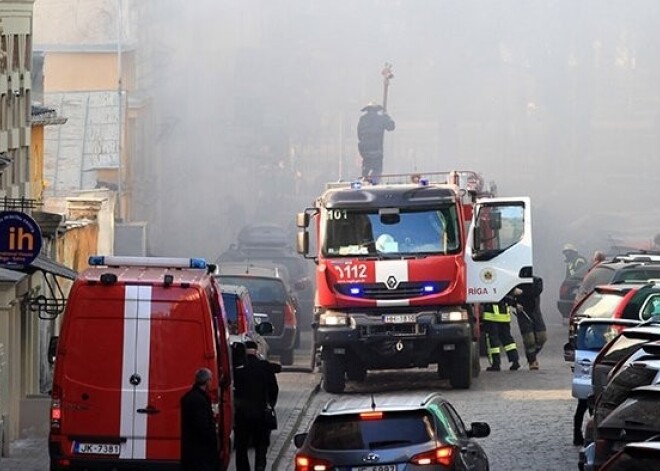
(148, 410)
(585, 362)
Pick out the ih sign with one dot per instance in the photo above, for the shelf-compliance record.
(20, 238)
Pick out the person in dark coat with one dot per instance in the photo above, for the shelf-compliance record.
(199, 437)
(255, 388)
(530, 320)
(371, 129)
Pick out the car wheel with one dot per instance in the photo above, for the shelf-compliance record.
(460, 368)
(286, 357)
(334, 374)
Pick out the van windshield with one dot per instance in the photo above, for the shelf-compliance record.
(262, 290)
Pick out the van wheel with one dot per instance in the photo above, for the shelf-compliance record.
(286, 357)
(334, 374)
(460, 369)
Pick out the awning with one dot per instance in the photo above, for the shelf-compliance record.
(48, 265)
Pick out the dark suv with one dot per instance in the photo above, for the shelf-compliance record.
(397, 432)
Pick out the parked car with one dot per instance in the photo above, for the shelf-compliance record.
(623, 345)
(630, 268)
(592, 335)
(568, 290)
(270, 295)
(604, 302)
(391, 433)
(270, 243)
(635, 456)
(635, 302)
(241, 322)
(636, 419)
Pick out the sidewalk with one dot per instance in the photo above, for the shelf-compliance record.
(297, 389)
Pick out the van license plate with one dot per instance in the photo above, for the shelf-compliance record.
(96, 448)
(399, 318)
(380, 467)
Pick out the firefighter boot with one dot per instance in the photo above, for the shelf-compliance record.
(513, 359)
(495, 366)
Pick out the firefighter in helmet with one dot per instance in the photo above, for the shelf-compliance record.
(574, 261)
(497, 325)
(371, 129)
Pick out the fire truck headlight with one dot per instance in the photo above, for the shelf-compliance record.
(454, 316)
(334, 318)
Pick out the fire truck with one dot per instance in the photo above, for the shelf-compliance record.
(401, 266)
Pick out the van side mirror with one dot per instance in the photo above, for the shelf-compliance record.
(302, 220)
(302, 243)
(52, 350)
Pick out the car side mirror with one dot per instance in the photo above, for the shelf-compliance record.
(299, 439)
(52, 350)
(569, 352)
(264, 328)
(479, 430)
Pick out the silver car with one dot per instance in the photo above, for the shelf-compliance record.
(391, 432)
(591, 337)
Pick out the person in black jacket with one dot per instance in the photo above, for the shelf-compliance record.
(256, 389)
(530, 320)
(371, 130)
(199, 437)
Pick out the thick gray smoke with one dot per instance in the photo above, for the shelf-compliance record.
(253, 104)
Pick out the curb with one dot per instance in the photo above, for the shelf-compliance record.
(296, 424)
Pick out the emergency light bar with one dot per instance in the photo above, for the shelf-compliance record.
(164, 262)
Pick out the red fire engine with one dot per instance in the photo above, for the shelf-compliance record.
(398, 272)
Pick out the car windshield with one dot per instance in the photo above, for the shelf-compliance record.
(618, 389)
(430, 231)
(262, 290)
(593, 337)
(621, 348)
(599, 304)
(350, 432)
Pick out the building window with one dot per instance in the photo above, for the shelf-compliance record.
(3, 54)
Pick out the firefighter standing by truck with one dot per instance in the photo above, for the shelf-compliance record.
(497, 325)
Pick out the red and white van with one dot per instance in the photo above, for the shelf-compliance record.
(134, 332)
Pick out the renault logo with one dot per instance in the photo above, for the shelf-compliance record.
(371, 458)
(391, 282)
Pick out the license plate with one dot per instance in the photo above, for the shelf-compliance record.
(96, 448)
(380, 467)
(399, 318)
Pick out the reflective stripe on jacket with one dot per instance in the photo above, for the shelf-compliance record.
(493, 314)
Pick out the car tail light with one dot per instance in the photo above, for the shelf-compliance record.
(242, 322)
(603, 449)
(443, 455)
(309, 463)
(289, 315)
(56, 409)
(371, 415)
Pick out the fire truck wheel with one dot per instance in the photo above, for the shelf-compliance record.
(460, 371)
(443, 366)
(334, 374)
(286, 357)
(476, 365)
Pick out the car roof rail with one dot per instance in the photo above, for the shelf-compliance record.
(428, 398)
(327, 405)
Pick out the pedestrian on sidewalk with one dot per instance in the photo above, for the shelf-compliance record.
(255, 394)
(530, 320)
(199, 440)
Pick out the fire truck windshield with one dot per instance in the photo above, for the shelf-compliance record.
(404, 232)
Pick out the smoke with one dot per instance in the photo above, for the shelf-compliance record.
(253, 105)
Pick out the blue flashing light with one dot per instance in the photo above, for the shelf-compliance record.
(197, 263)
(356, 185)
(429, 288)
(424, 182)
(355, 290)
(96, 260)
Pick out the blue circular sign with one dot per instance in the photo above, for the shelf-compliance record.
(20, 238)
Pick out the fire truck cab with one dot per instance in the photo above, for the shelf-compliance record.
(398, 272)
